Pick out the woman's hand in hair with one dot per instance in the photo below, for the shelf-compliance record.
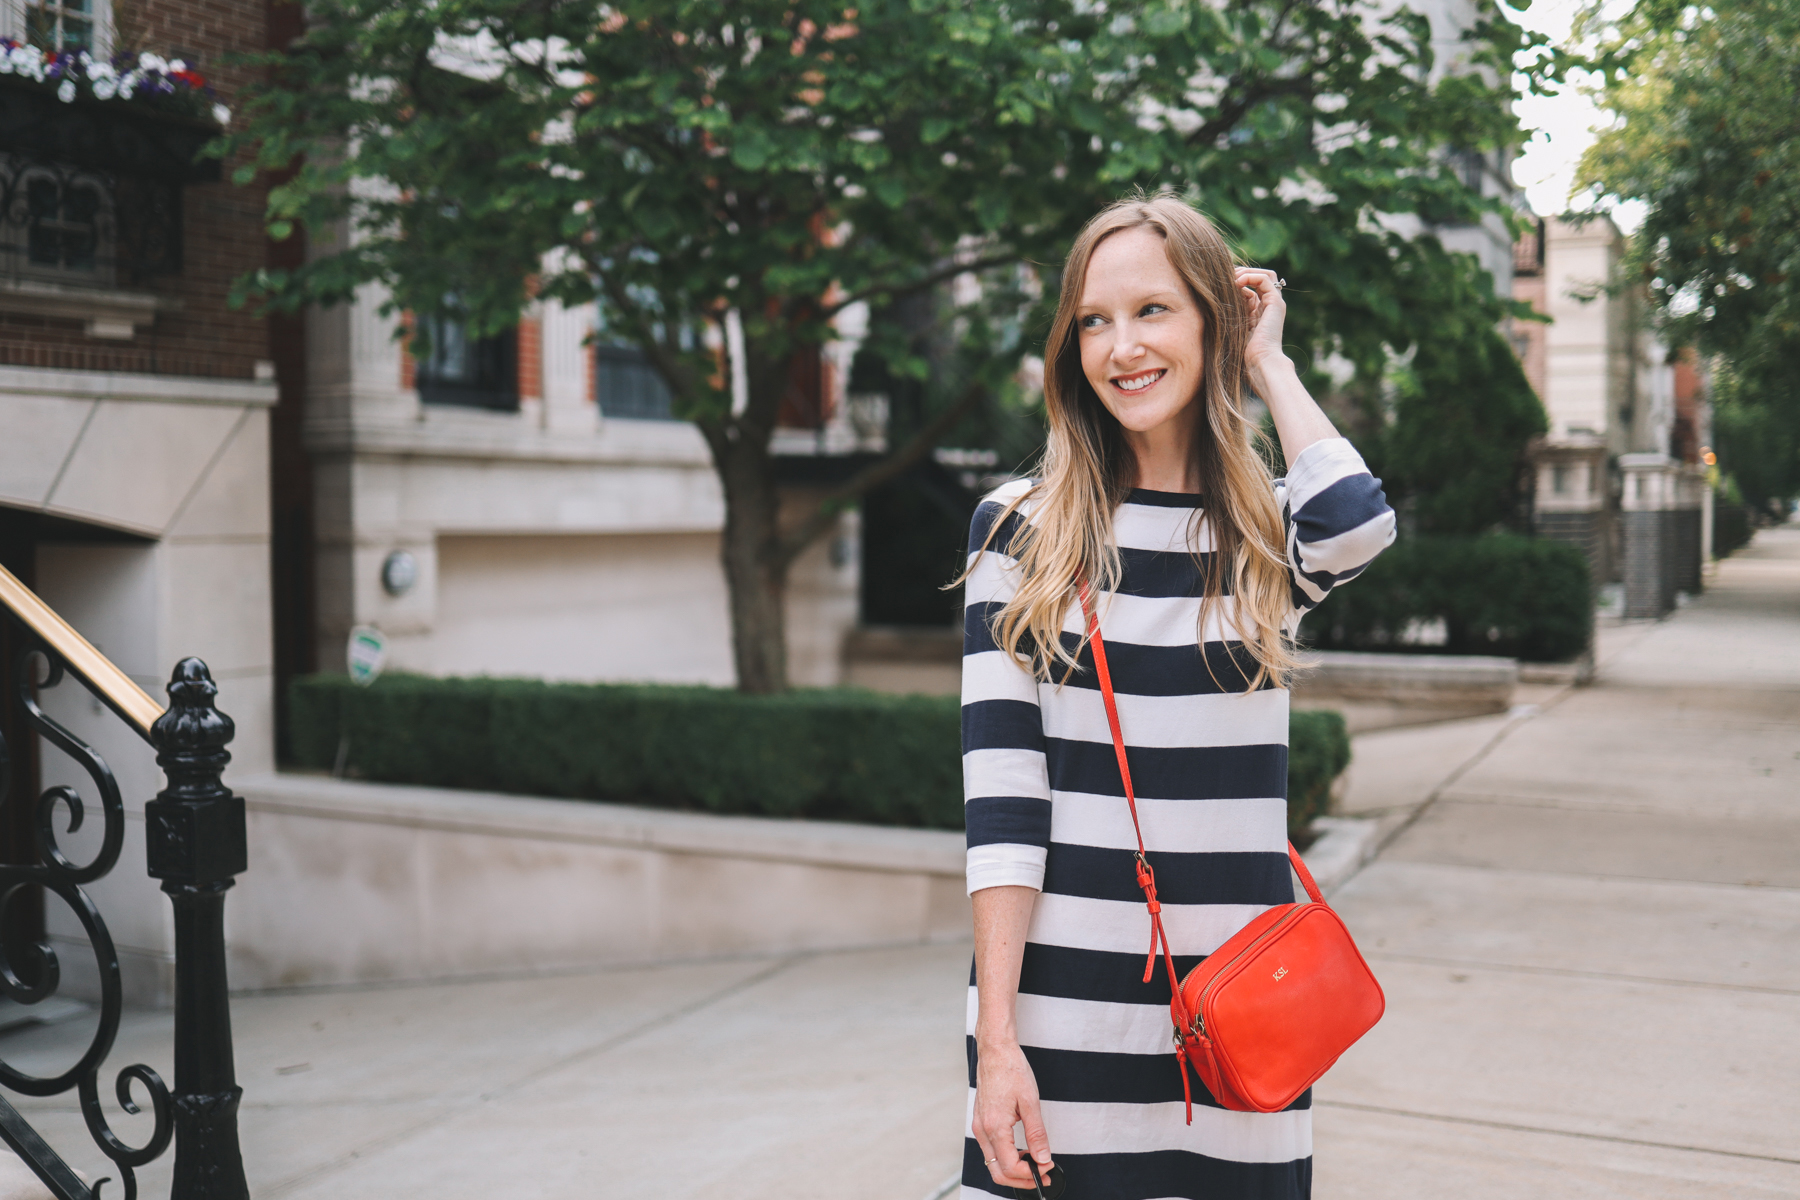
(1261, 291)
(1298, 421)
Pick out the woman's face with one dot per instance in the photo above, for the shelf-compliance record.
(1139, 331)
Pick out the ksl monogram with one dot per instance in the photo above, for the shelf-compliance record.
(1280, 972)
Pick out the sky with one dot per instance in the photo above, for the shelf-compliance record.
(1563, 126)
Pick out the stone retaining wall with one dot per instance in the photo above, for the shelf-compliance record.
(365, 883)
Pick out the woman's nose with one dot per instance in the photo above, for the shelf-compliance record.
(1127, 348)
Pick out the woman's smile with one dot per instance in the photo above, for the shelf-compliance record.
(1140, 382)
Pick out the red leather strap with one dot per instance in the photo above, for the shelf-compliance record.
(1145, 876)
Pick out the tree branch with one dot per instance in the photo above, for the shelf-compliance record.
(931, 279)
(877, 474)
(1232, 113)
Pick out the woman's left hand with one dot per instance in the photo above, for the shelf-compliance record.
(1261, 292)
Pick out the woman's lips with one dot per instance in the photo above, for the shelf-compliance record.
(1140, 382)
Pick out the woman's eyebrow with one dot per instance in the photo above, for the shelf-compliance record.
(1162, 294)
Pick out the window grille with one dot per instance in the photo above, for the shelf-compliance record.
(628, 386)
(61, 24)
(57, 222)
(468, 372)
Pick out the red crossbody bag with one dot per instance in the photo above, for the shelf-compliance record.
(1267, 1013)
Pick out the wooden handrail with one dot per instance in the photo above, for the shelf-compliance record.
(117, 688)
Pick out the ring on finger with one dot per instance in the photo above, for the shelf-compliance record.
(1280, 282)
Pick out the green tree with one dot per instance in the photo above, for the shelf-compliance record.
(1707, 137)
(1456, 453)
(676, 159)
(1756, 429)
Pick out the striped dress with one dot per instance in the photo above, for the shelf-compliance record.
(1046, 810)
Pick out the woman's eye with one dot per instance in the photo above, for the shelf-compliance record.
(1150, 310)
(1092, 321)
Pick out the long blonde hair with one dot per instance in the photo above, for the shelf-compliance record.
(1088, 467)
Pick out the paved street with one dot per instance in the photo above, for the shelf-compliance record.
(1587, 920)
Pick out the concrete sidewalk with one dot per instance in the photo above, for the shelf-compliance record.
(1587, 920)
(1588, 925)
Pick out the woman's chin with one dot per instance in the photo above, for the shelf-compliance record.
(1148, 418)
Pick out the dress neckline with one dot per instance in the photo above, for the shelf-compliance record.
(1166, 499)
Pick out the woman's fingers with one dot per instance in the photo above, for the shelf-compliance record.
(987, 1149)
(1005, 1165)
(1037, 1142)
(992, 1125)
(1003, 1160)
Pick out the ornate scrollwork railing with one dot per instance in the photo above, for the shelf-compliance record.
(195, 842)
(70, 224)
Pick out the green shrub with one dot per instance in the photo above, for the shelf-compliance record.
(1318, 752)
(844, 755)
(831, 754)
(1500, 593)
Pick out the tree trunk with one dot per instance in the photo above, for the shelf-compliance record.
(755, 569)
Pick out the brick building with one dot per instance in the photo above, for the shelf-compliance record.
(134, 403)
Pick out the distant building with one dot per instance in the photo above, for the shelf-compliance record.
(1616, 474)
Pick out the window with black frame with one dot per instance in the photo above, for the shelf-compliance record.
(59, 224)
(468, 372)
(628, 386)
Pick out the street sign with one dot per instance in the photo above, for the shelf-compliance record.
(366, 654)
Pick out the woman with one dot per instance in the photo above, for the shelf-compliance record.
(1200, 566)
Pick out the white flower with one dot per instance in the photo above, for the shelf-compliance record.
(221, 114)
(151, 62)
(178, 65)
(6, 67)
(101, 70)
(26, 61)
(105, 89)
(66, 92)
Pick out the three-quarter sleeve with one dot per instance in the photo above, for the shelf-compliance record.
(1337, 519)
(1006, 783)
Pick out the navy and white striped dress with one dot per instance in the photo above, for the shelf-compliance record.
(1046, 810)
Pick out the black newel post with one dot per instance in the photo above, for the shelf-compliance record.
(195, 830)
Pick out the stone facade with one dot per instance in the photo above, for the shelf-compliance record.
(548, 538)
(134, 493)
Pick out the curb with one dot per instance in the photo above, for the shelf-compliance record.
(1343, 846)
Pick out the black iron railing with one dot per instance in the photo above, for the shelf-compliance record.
(195, 840)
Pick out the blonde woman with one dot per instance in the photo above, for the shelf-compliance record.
(1200, 566)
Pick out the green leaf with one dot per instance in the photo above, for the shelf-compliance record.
(891, 190)
(753, 150)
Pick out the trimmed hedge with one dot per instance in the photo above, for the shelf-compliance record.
(1318, 752)
(830, 754)
(1501, 593)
